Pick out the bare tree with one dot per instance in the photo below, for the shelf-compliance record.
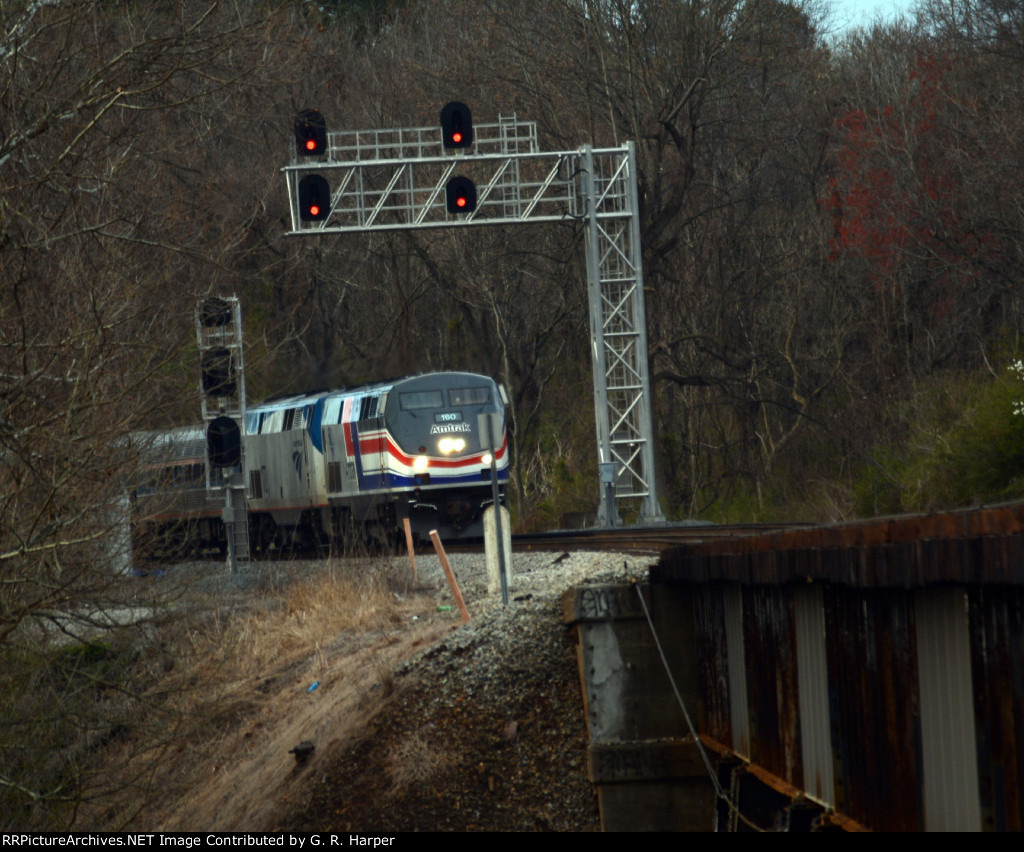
(115, 120)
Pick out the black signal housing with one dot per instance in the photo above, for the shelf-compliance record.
(456, 126)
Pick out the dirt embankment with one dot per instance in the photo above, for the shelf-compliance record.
(417, 721)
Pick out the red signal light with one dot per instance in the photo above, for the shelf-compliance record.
(310, 134)
(460, 195)
(456, 126)
(314, 199)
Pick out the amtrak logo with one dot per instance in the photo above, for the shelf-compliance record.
(449, 428)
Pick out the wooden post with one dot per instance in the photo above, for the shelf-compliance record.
(434, 537)
(408, 546)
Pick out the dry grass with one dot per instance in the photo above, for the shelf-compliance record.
(415, 760)
(310, 612)
(233, 687)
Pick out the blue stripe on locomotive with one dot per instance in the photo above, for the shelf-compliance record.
(395, 480)
(316, 435)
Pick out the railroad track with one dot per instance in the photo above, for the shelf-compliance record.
(654, 539)
(963, 524)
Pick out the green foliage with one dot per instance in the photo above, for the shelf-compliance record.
(739, 506)
(961, 444)
(557, 459)
(568, 483)
(60, 704)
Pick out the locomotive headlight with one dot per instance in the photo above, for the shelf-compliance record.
(451, 445)
(485, 458)
(419, 464)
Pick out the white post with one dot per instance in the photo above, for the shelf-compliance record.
(493, 554)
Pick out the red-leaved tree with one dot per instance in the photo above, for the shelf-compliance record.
(915, 214)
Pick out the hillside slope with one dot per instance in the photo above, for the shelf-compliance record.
(427, 725)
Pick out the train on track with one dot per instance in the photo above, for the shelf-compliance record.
(324, 468)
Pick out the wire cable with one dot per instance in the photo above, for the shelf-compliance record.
(719, 790)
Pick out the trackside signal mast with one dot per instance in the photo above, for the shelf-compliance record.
(418, 177)
(222, 391)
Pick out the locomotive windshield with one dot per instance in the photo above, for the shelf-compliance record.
(414, 401)
(438, 414)
(469, 396)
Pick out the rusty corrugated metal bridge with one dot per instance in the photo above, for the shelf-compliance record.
(858, 676)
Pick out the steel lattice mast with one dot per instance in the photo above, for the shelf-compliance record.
(395, 180)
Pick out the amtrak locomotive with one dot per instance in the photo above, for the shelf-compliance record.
(323, 467)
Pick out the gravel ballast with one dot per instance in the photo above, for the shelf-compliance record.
(483, 730)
